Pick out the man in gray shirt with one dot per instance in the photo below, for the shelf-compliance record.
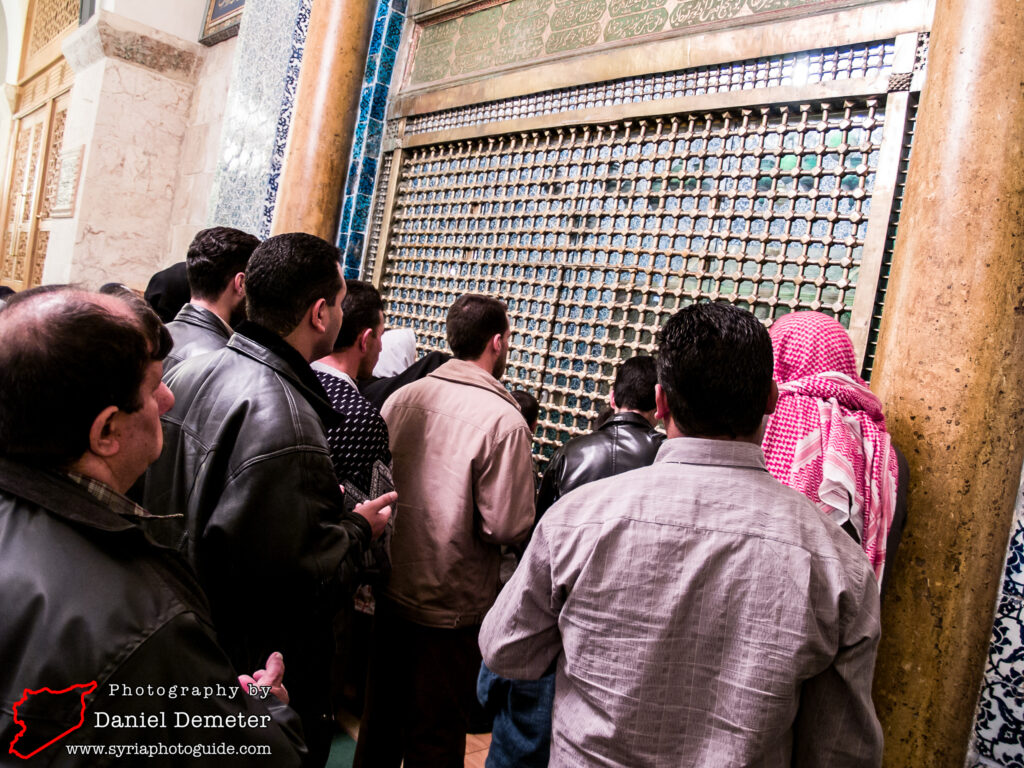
(700, 612)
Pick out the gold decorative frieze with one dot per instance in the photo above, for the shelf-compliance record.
(527, 30)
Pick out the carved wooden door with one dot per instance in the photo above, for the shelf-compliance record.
(30, 192)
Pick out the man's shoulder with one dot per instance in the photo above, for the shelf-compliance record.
(126, 572)
(230, 393)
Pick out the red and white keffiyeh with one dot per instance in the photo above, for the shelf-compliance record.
(827, 437)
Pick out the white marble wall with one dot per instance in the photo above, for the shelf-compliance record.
(200, 151)
(146, 108)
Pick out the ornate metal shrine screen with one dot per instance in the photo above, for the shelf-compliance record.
(617, 203)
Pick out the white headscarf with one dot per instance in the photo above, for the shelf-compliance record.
(398, 352)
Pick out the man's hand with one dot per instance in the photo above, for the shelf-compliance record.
(272, 676)
(377, 511)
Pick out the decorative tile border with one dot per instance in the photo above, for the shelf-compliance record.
(366, 143)
(999, 724)
(284, 120)
(256, 113)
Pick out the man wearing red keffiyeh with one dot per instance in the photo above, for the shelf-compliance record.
(827, 437)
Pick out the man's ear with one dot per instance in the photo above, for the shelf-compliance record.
(611, 401)
(364, 338)
(661, 410)
(496, 342)
(773, 399)
(318, 315)
(239, 284)
(103, 436)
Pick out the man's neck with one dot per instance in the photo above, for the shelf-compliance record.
(484, 363)
(224, 313)
(344, 361)
(92, 466)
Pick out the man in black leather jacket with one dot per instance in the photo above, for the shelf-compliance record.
(215, 266)
(110, 623)
(247, 462)
(626, 441)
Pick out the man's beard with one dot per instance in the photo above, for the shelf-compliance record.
(499, 365)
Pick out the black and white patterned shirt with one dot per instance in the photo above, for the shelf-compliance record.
(361, 439)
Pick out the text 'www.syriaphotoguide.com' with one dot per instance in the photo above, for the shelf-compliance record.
(160, 750)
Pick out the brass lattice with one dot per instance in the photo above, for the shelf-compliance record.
(594, 235)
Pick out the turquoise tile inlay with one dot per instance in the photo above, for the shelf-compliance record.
(389, 18)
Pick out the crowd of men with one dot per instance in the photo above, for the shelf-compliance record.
(196, 504)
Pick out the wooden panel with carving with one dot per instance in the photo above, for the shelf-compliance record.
(31, 193)
(49, 22)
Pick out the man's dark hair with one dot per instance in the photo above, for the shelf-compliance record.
(64, 357)
(715, 366)
(215, 256)
(473, 320)
(286, 275)
(528, 406)
(362, 307)
(634, 384)
(167, 291)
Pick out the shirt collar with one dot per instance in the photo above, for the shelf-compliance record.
(331, 370)
(286, 352)
(466, 372)
(726, 453)
(117, 503)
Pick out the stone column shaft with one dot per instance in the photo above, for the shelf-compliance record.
(326, 109)
(950, 370)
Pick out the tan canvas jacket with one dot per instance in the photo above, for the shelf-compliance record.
(464, 477)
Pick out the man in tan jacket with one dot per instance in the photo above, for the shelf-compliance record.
(463, 472)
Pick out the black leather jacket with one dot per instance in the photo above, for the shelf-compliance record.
(85, 597)
(246, 459)
(195, 331)
(626, 441)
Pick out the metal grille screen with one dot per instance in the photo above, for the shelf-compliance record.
(594, 235)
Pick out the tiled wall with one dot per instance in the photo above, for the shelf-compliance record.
(362, 173)
(999, 727)
(258, 113)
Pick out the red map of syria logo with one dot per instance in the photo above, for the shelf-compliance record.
(84, 690)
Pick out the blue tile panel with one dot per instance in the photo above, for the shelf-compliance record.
(287, 111)
(389, 19)
(999, 725)
(258, 112)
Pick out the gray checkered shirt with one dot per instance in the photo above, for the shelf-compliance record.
(701, 614)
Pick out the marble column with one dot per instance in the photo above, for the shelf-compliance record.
(950, 369)
(326, 108)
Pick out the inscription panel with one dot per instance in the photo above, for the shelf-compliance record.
(568, 25)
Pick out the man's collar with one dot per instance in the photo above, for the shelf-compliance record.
(56, 492)
(298, 365)
(117, 502)
(316, 365)
(466, 372)
(695, 450)
(193, 314)
(627, 417)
